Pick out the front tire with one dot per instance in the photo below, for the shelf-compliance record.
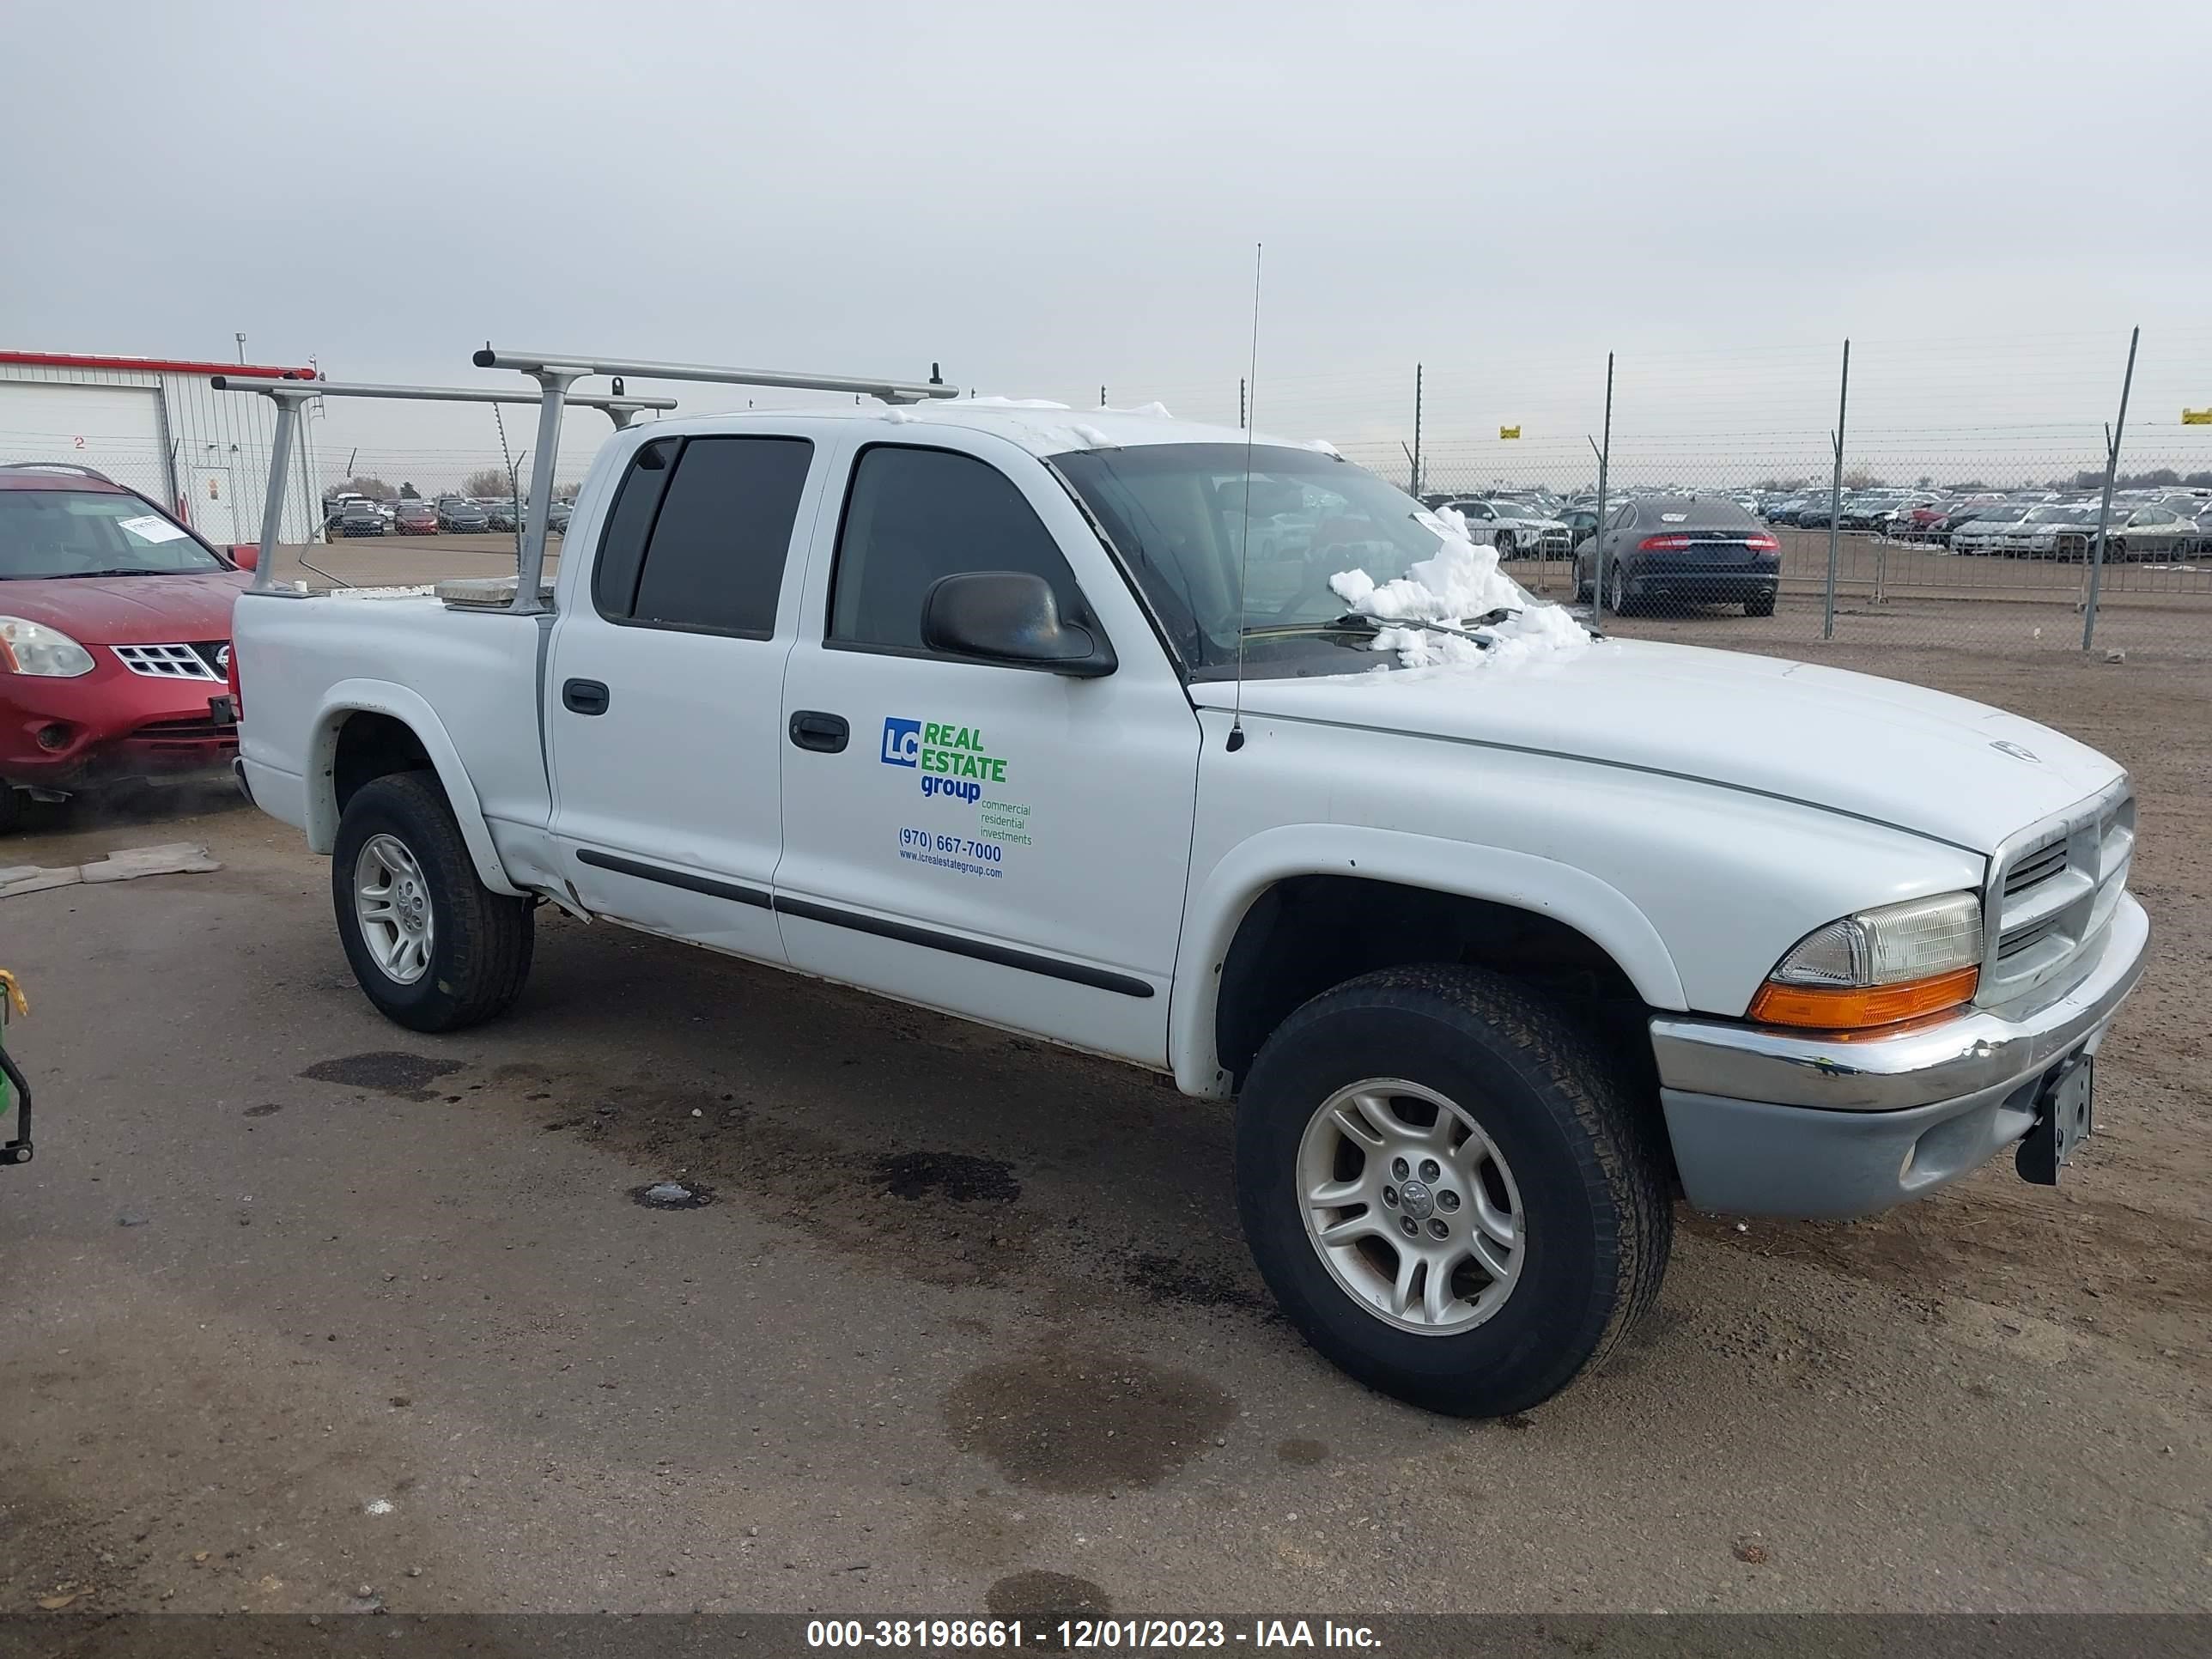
(430, 946)
(1447, 1186)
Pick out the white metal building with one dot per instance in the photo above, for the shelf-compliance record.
(160, 428)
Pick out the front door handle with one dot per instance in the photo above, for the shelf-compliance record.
(584, 696)
(812, 729)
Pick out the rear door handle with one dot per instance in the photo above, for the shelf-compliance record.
(584, 696)
(812, 729)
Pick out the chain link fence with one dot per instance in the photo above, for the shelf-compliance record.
(1871, 562)
(405, 517)
(1887, 527)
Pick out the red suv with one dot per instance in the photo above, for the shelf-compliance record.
(114, 638)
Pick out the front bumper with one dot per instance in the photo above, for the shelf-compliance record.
(1767, 1122)
(115, 727)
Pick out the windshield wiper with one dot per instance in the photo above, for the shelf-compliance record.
(135, 570)
(1354, 622)
(1347, 623)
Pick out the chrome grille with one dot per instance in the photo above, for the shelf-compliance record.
(2052, 891)
(203, 661)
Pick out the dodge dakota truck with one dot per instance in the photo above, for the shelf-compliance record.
(1501, 937)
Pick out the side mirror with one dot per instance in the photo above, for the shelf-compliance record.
(247, 558)
(1010, 616)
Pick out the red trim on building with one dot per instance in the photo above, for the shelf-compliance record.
(154, 365)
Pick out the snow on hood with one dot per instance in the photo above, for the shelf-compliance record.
(1460, 581)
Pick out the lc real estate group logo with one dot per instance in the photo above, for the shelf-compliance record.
(951, 758)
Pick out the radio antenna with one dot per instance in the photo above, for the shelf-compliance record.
(1244, 540)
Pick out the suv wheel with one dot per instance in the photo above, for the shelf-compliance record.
(431, 946)
(1447, 1186)
(11, 807)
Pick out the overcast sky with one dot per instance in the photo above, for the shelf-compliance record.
(1045, 198)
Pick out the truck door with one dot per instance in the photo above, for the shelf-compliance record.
(665, 681)
(1005, 842)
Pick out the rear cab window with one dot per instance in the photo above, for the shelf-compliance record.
(700, 532)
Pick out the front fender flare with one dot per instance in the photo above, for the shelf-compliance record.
(363, 697)
(1219, 901)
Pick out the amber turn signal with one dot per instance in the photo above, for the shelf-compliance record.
(1854, 1008)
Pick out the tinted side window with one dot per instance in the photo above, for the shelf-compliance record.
(715, 560)
(622, 548)
(915, 515)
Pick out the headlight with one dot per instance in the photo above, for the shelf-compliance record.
(1878, 967)
(29, 647)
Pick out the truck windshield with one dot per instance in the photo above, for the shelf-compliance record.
(1180, 515)
(85, 532)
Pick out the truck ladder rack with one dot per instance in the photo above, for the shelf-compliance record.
(289, 394)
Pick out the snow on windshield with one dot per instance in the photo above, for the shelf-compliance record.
(1461, 581)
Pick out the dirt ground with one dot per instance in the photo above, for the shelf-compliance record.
(307, 1313)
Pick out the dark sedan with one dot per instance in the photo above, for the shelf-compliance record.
(1704, 549)
(462, 518)
(358, 519)
(1868, 512)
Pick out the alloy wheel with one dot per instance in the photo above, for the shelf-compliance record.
(1411, 1207)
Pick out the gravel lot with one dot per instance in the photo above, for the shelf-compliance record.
(301, 1304)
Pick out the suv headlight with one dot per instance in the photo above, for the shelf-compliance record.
(1878, 967)
(29, 647)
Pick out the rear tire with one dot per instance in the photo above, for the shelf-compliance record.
(1758, 605)
(478, 941)
(1543, 1265)
(1616, 591)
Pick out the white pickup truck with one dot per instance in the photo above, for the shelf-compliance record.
(1500, 936)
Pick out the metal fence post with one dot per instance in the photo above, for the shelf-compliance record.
(1836, 497)
(1597, 535)
(1415, 492)
(2104, 507)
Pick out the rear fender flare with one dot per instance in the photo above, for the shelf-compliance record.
(362, 696)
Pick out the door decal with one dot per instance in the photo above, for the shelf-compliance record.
(954, 768)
